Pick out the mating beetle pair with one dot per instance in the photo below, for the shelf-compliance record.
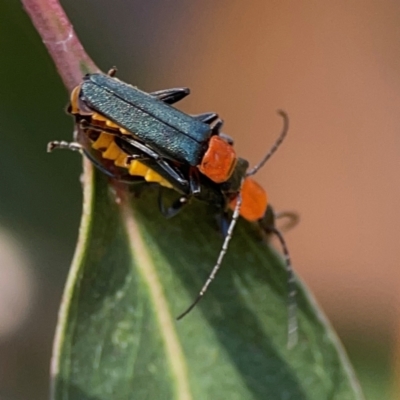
(146, 139)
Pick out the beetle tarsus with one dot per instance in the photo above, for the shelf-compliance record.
(207, 118)
(55, 144)
(171, 96)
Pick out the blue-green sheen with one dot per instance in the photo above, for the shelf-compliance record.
(172, 133)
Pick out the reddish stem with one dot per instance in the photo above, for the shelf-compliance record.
(59, 37)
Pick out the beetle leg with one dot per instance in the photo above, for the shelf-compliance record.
(207, 118)
(55, 144)
(112, 71)
(292, 217)
(217, 127)
(83, 124)
(194, 182)
(226, 137)
(129, 179)
(223, 223)
(124, 141)
(155, 156)
(136, 157)
(171, 96)
(216, 130)
(176, 206)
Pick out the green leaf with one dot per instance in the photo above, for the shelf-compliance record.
(134, 272)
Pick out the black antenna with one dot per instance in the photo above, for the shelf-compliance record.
(275, 146)
(292, 292)
(292, 320)
(221, 256)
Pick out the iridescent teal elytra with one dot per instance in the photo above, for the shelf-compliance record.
(170, 132)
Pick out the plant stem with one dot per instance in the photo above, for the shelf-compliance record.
(59, 37)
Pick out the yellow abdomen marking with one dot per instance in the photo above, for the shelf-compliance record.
(110, 150)
(98, 117)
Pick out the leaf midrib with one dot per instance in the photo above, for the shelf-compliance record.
(165, 320)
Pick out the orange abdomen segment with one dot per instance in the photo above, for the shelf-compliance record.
(219, 160)
(254, 201)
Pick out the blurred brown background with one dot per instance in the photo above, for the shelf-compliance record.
(333, 66)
